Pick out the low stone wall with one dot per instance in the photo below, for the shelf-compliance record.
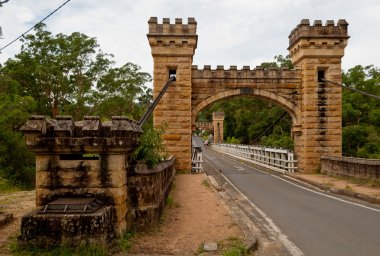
(47, 230)
(351, 167)
(148, 190)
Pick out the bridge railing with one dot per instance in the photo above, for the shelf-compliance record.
(196, 156)
(276, 159)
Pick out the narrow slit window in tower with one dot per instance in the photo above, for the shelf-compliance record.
(321, 76)
(173, 73)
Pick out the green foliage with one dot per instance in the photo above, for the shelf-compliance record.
(233, 140)
(61, 74)
(250, 120)
(280, 62)
(206, 183)
(82, 250)
(69, 74)
(361, 114)
(7, 187)
(119, 90)
(150, 146)
(16, 162)
(125, 242)
(233, 246)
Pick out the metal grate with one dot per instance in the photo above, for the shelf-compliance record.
(72, 205)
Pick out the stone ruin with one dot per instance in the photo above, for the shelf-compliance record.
(88, 188)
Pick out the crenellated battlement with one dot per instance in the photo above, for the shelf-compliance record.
(167, 28)
(244, 73)
(175, 35)
(90, 134)
(217, 115)
(318, 31)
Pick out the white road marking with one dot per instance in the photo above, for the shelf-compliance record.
(329, 196)
(293, 249)
(239, 168)
(313, 191)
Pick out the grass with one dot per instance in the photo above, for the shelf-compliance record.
(365, 182)
(329, 184)
(171, 203)
(233, 246)
(7, 187)
(348, 187)
(125, 242)
(182, 172)
(82, 250)
(200, 249)
(206, 183)
(359, 181)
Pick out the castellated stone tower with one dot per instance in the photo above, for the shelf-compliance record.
(317, 50)
(173, 47)
(217, 121)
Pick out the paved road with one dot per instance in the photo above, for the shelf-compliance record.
(318, 224)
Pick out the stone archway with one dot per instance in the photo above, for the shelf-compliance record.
(315, 107)
(292, 109)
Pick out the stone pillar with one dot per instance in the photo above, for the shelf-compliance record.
(318, 51)
(217, 121)
(83, 159)
(173, 47)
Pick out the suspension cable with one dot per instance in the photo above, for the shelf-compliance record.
(352, 89)
(26, 32)
(270, 127)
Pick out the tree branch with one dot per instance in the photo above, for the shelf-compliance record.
(3, 2)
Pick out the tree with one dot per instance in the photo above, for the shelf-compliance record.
(122, 91)
(16, 162)
(59, 70)
(3, 2)
(361, 114)
(248, 120)
(70, 75)
(280, 62)
(61, 74)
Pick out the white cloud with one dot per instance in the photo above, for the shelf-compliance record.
(239, 32)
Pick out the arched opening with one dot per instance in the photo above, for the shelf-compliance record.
(292, 109)
(250, 119)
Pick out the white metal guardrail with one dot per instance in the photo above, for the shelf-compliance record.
(196, 156)
(276, 159)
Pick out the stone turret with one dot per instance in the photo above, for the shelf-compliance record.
(317, 50)
(218, 123)
(173, 47)
(320, 41)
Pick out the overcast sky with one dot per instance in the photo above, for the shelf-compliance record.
(230, 32)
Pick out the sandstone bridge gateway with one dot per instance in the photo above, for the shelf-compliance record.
(87, 186)
(314, 106)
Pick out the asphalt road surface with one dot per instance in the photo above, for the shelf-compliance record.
(316, 223)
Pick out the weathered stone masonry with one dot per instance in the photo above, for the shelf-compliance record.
(91, 159)
(315, 107)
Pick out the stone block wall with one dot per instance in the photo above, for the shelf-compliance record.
(317, 50)
(88, 158)
(351, 167)
(173, 47)
(148, 189)
(47, 230)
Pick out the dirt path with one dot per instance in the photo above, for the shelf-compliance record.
(17, 203)
(196, 215)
